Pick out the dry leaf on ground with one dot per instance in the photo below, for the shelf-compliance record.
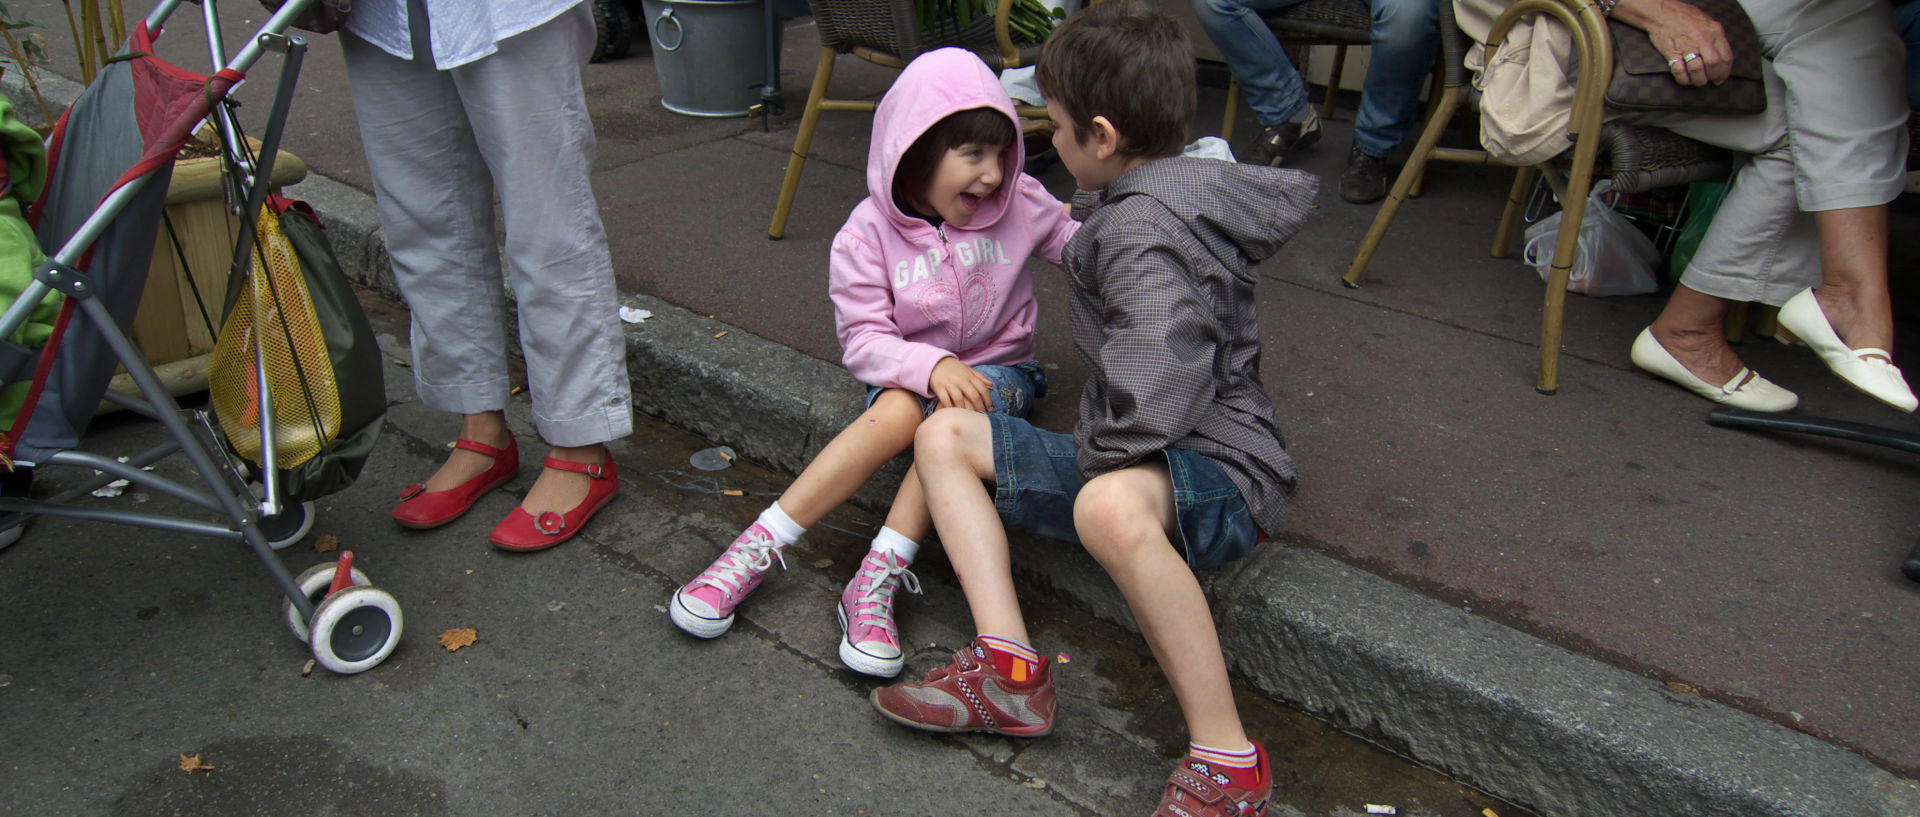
(326, 543)
(458, 637)
(192, 763)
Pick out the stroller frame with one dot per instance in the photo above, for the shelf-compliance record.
(349, 625)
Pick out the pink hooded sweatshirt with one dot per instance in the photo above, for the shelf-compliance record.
(906, 295)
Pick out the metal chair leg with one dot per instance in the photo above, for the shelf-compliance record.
(1233, 109)
(1333, 82)
(1768, 322)
(802, 143)
(1510, 218)
(1735, 327)
(1422, 151)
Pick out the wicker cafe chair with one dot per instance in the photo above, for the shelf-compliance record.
(1638, 158)
(1339, 23)
(888, 32)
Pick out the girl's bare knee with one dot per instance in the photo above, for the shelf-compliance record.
(945, 436)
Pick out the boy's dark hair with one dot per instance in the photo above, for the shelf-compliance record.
(1129, 63)
(986, 127)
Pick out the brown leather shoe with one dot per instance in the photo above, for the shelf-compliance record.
(1365, 179)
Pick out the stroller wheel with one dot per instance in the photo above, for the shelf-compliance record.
(289, 526)
(355, 629)
(314, 582)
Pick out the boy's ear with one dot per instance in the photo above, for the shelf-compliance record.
(1105, 138)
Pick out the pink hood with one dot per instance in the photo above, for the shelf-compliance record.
(906, 294)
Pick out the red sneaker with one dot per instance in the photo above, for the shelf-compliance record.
(1196, 789)
(420, 508)
(522, 531)
(969, 696)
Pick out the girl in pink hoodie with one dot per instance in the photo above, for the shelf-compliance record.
(934, 308)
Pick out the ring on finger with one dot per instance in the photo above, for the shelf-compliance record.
(1673, 62)
(1690, 56)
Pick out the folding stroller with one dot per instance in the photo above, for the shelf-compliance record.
(111, 156)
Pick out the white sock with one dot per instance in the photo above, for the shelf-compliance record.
(785, 531)
(892, 541)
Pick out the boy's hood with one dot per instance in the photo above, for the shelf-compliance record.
(935, 85)
(1235, 209)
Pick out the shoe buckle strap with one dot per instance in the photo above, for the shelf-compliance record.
(1204, 790)
(594, 470)
(1869, 354)
(480, 448)
(551, 523)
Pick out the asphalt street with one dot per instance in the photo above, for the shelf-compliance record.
(126, 649)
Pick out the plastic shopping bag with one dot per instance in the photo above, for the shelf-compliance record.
(1703, 202)
(1612, 258)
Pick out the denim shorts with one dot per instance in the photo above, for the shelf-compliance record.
(1036, 480)
(1014, 389)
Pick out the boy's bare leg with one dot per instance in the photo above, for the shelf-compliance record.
(953, 454)
(884, 430)
(1126, 520)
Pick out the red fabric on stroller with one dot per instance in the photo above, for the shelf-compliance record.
(128, 125)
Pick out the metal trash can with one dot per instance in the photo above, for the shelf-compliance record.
(710, 54)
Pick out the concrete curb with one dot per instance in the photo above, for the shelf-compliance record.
(1514, 715)
(1517, 716)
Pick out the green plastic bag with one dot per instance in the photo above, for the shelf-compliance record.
(1703, 201)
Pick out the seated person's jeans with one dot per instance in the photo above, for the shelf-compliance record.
(1405, 34)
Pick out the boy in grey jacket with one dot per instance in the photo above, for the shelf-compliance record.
(1174, 464)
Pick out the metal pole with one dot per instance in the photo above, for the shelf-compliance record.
(161, 12)
(277, 24)
(202, 461)
(216, 45)
(113, 469)
(145, 520)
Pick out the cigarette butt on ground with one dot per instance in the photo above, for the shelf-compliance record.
(734, 492)
(718, 335)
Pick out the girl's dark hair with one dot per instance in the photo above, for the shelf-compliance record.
(987, 127)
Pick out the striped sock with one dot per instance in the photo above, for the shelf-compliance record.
(1013, 660)
(1241, 768)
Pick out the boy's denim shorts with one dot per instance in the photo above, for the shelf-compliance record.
(1014, 389)
(1036, 480)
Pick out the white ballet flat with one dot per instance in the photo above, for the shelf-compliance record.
(1866, 369)
(1756, 394)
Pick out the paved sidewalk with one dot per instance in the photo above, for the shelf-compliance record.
(1593, 603)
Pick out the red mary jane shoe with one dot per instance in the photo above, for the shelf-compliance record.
(420, 508)
(522, 531)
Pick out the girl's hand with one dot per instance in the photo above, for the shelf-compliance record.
(1695, 44)
(956, 384)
